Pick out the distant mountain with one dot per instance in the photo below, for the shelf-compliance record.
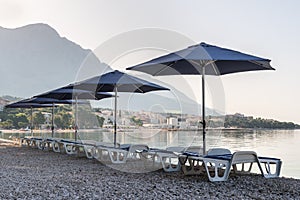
(3, 101)
(35, 58)
(8, 98)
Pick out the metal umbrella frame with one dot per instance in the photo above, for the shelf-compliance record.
(117, 81)
(203, 59)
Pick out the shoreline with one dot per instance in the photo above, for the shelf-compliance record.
(128, 130)
(28, 173)
(48, 131)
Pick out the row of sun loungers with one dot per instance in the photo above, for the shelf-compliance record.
(218, 163)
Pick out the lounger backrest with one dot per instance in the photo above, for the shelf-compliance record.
(175, 149)
(218, 151)
(195, 149)
(107, 144)
(93, 142)
(244, 157)
(138, 147)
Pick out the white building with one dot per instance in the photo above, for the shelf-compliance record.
(172, 122)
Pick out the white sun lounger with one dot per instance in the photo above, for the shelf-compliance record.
(190, 162)
(167, 159)
(221, 164)
(101, 151)
(271, 168)
(48, 144)
(33, 142)
(24, 141)
(71, 147)
(83, 147)
(218, 163)
(119, 154)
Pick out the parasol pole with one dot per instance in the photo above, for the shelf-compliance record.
(115, 118)
(31, 122)
(52, 126)
(203, 110)
(76, 117)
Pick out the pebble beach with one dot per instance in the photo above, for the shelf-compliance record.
(28, 173)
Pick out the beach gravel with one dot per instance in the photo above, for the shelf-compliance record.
(28, 173)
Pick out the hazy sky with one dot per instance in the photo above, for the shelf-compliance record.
(268, 28)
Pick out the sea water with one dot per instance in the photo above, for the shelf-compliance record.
(283, 144)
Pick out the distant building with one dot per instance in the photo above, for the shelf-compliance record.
(125, 122)
(172, 122)
(183, 125)
(154, 121)
(48, 120)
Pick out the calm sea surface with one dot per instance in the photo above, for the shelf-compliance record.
(284, 144)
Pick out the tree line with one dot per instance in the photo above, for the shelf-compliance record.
(250, 122)
(20, 118)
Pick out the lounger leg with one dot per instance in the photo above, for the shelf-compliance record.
(195, 167)
(88, 151)
(271, 172)
(45, 145)
(243, 169)
(217, 166)
(167, 164)
(40, 145)
(70, 149)
(95, 153)
(55, 147)
(32, 144)
(101, 154)
(117, 156)
(28, 141)
(23, 142)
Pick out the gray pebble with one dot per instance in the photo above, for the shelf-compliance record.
(28, 173)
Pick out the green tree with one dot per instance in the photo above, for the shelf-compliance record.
(136, 121)
(66, 120)
(7, 124)
(58, 121)
(38, 118)
(22, 125)
(101, 121)
(20, 121)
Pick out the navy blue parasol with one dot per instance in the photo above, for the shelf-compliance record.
(117, 81)
(27, 105)
(68, 93)
(203, 59)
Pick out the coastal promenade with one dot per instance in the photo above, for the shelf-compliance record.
(33, 174)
